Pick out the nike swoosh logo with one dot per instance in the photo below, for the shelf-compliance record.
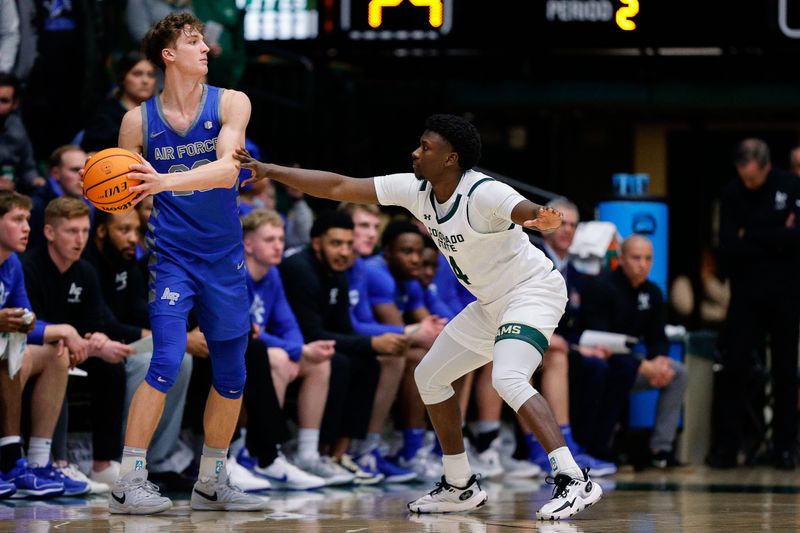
(120, 500)
(567, 504)
(156, 134)
(240, 265)
(284, 478)
(209, 497)
(161, 380)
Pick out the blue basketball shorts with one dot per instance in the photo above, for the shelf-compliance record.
(217, 292)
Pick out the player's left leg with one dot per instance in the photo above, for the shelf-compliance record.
(213, 491)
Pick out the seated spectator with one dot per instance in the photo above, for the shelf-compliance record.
(51, 350)
(136, 82)
(624, 301)
(428, 271)
(65, 163)
(64, 288)
(555, 367)
(288, 359)
(317, 290)
(395, 297)
(17, 163)
(366, 222)
(111, 251)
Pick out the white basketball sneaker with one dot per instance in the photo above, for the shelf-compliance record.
(570, 496)
(133, 494)
(447, 498)
(220, 494)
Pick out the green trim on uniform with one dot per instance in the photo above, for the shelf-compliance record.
(423, 186)
(523, 332)
(449, 214)
(475, 185)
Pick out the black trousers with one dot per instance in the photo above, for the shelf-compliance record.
(755, 318)
(266, 425)
(350, 396)
(105, 385)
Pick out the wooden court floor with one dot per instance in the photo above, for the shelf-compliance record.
(690, 499)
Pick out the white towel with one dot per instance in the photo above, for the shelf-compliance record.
(12, 348)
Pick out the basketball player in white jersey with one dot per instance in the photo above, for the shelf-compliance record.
(477, 224)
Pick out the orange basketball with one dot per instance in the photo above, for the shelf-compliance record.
(105, 180)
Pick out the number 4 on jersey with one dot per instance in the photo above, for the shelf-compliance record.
(457, 271)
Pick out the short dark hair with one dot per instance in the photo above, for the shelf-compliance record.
(9, 80)
(462, 136)
(65, 207)
(329, 220)
(394, 229)
(165, 33)
(57, 154)
(11, 199)
(752, 150)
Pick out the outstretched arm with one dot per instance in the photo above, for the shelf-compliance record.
(535, 216)
(221, 173)
(314, 182)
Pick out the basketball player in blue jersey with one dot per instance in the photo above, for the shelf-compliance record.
(187, 136)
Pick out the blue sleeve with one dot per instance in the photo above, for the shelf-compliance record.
(19, 298)
(281, 327)
(380, 285)
(436, 306)
(364, 321)
(415, 296)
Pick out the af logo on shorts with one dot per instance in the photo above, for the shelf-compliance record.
(74, 294)
(170, 296)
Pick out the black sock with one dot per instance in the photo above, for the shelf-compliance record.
(9, 455)
(484, 440)
(267, 456)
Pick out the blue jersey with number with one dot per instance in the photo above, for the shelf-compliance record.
(190, 224)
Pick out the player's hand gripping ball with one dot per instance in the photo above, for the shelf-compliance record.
(105, 180)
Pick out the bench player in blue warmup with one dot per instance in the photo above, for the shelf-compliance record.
(187, 136)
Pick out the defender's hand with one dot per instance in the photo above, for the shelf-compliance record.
(547, 219)
(258, 170)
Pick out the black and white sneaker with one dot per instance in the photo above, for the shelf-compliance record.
(447, 498)
(570, 496)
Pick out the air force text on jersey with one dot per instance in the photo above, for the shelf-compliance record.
(190, 149)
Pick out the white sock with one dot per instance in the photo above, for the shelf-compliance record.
(212, 462)
(308, 444)
(39, 451)
(562, 462)
(132, 459)
(456, 469)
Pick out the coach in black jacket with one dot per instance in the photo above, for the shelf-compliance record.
(760, 241)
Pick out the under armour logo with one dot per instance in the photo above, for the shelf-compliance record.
(170, 296)
(426, 217)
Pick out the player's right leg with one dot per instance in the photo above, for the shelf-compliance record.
(458, 489)
(133, 493)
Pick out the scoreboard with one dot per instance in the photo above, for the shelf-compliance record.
(526, 25)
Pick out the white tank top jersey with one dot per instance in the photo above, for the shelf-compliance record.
(489, 264)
